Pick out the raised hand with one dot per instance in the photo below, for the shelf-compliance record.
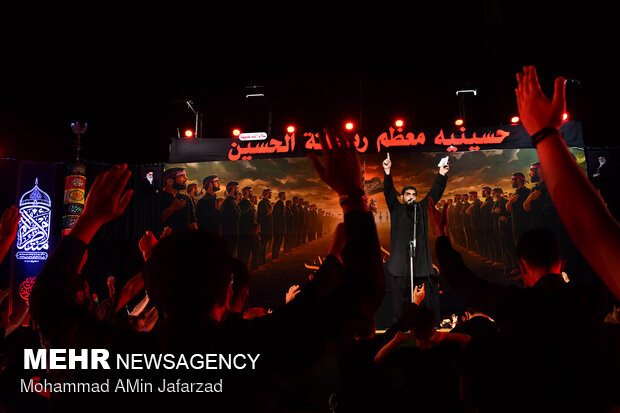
(341, 170)
(8, 224)
(443, 169)
(147, 243)
(535, 109)
(166, 231)
(291, 293)
(110, 282)
(387, 164)
(418, 294)
(107, 198)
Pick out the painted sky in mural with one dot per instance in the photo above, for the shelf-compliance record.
(469, 171)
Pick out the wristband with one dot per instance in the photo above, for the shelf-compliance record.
(358, 195)
(542, 134)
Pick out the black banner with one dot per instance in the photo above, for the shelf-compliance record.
(391, 140)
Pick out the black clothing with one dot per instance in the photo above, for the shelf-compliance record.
(147, 188)
(279, 227)
(402, 230)
(300, 224)
(147, 203)
(180, 219)
(296, 225)
(476, 225)
(305, 228)
(466, 219)
(289, 234)
(328, 312)
(265, 219)
(505, 246)
(230, 214)
(400, 235)
(247, 218)
(487, 227)
(425, 380)
(520, 220)
(551, 326)
(477, 327)
(207, 214)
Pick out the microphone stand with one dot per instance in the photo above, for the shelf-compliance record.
(412, 250)
(412, 246)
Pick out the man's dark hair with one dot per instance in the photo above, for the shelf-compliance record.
(230, 185)
(208, 179)
(539, 247)
(177, 280)
(421, 321)
(408, 187)
(172, 173)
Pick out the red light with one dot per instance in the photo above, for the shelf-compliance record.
(459, 122)
(564, 117)
(399, 123)
(290, 129)
(189, 133)
(514, 120)
(236, 132)
(348, 126)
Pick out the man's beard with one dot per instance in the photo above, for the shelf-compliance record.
(535, 178)
(178, 186)
(411, 203)
(515, 185)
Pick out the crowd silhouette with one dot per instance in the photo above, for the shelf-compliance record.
(549, 345)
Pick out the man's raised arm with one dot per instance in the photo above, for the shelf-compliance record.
(441, 180)
(391, 198)
(55, 286)
(587, 220)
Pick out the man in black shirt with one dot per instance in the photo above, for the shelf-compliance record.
(295, 227)
(403, 216)
(520, 220)
(230, 213)
(265, 218)
(473, 211)
(193, 304)
(177, 209)
(207, 212)
(279, 225)
(487, 222)
(290, 224)
(550, 325)
(247, 218)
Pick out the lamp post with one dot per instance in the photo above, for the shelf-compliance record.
(460, 94)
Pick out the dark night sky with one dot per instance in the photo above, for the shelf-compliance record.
(120, 73)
